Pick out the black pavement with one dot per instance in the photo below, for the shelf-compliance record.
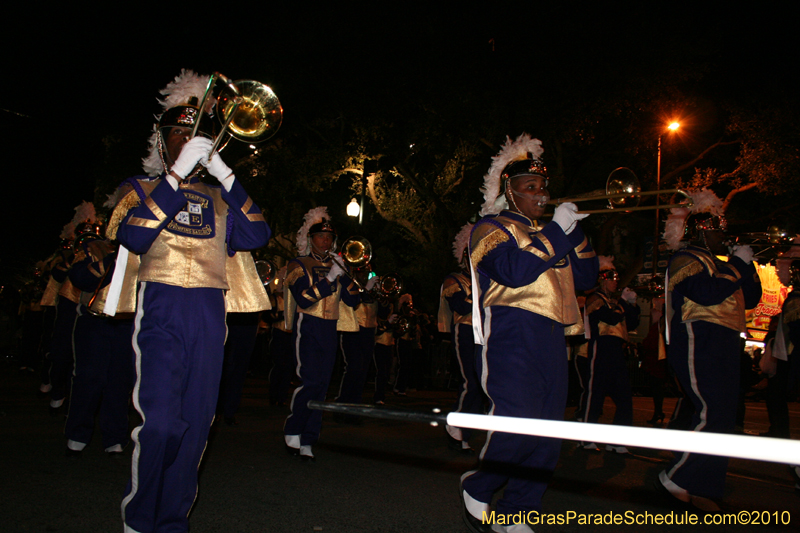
(380, 476)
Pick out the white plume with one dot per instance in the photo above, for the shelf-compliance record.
(461, 240)
(606, 262)
(510, 151)
(314, 216)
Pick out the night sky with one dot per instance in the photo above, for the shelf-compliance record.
(73, 77)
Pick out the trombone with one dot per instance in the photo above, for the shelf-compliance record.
(356, 253)
(624, 193)
(248, 110)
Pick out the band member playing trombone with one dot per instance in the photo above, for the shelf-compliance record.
(315, 285)
(183, 230)
(524, 305)
(706, 302)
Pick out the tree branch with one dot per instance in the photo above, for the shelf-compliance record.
(736, 191)
(691, 163)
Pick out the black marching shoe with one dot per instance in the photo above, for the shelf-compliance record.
(657, 419)
(475, 525)
(291, 451)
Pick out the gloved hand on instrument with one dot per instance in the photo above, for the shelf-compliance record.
(335, 271)
(745, 253)
(192, 153)
(567, 216)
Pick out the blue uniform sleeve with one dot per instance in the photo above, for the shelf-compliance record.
(583, 259)
(704, 289)
(350, 294)
(305, 290)
(142, 225)
(87, 274)
(59, 273)
(512, 266)
(250, 230)
(458, 301)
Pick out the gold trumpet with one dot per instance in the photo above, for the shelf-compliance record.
(248, 110)
(624, 193)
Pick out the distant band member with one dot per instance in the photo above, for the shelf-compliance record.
(316, 285)
(455, 317)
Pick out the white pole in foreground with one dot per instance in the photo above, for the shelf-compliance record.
(740, 446)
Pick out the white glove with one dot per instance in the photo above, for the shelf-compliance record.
(193, 152)
(217, 167)
(372, 282)
(628, 295)
(745, 253)
(567, 216)
(335, 272)
(392, 318)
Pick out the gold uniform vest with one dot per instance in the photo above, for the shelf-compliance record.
(452, 284)
(730, 313)
(598, 300)
(178, 256)
(552, 294)
(328, 308)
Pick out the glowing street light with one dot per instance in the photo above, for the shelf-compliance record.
(353, 209)
(673, 126)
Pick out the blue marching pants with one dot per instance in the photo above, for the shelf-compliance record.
(357, 349)
(470, 393)
(103, 378)
(523, 367)
(705, 359)
(315, 350)
(178, 341)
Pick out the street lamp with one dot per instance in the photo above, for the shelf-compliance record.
(673, 126)
(353, 209)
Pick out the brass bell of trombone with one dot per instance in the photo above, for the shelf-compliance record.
(623, 181)
(356, 252)
(248, 110)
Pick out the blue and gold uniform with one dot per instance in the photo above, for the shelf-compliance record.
(318, 306)
(527, 275)
(104, 368)
(609, 323)
(455, 314)
(357, 348)
(706, 302)
(182, 237)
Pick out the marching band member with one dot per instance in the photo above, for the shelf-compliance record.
(384, 348)
(455, 317)
(358, 346)
(523, 306)
(182, 229)
(706, 302)
(281, 350)
(407, 331)
(609, 321)
(104, 371)
(315, 285)
(61, 354)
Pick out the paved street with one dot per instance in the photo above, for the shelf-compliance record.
(380, 476)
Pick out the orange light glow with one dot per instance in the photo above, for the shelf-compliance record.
(674, 126)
